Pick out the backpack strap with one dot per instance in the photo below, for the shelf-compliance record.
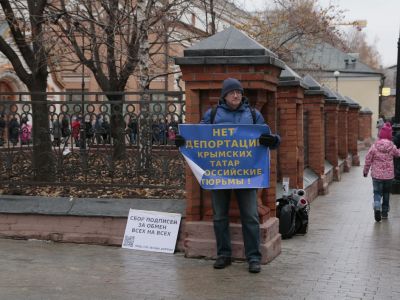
(213, 113)
(253, 114)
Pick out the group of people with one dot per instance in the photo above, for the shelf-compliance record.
(97, 130)
(17, 132)
(164, 132)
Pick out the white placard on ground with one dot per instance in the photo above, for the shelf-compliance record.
(151, 231)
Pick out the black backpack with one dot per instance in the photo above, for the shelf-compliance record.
(286, 213)
(214, 112)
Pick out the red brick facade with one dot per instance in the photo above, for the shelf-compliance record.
(352, 136)
(364, 125)
(331, 136)
(291, 151)
(343, 149)
(314, 107)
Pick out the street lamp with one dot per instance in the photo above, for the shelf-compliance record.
(336, 74)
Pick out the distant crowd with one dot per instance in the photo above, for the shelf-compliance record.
(91, 129)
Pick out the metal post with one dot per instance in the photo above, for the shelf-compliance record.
(82, 127)
(397, 109)
(396, 126)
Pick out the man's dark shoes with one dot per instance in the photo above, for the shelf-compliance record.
(377, 214)
(384, 215)
(222, 262)
(254, 267)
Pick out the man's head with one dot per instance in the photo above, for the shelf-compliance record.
(232, 92)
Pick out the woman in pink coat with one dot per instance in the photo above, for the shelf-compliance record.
(380, 159)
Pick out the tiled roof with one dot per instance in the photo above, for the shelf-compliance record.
(326, 57)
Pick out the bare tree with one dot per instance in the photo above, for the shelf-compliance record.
(119, 37)
(292, 23)
(29, 58)
(356, 42)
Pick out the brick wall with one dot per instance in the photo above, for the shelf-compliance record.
(291, 155)
(352, 137)
(364, 125)
(331, 136)
(314, 106)
(343, 149)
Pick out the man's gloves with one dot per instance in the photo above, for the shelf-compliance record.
(269, 140)
(179, 140)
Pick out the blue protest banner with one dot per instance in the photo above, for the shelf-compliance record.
(226, 156)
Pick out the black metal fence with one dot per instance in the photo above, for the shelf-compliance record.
(83, 136)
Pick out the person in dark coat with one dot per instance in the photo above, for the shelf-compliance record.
(98, 129)
(56, 132)
(13, 130)
(2, 129)
(234, 108)
(133, 128)
(106, 129)
(65, 130)
(89, 131)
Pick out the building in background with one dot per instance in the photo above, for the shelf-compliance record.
(353, 78)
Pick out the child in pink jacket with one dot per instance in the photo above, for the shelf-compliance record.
(380, 159)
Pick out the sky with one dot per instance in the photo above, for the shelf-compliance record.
(383, 21)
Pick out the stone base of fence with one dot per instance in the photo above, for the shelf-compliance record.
(81, 220)
(86, 230)
(200, 242)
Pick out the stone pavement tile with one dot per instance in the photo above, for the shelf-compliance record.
(345, 255)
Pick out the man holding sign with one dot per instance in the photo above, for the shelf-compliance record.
(232, 151)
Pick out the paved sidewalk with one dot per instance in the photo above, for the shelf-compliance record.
(345, 255)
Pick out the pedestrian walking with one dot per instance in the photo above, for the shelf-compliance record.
(65, 130)
(56, 130)
(89, 131)
(26, 131)
(380, 160)
(106, 131)
(171, 135)
(76, 128)
(163, 132)
(98, 129)
(13, 131)
(155, 129)
(132, 129)
(380, 122)
(2, 129)
(234, 108)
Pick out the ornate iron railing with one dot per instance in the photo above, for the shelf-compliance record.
(84, 130)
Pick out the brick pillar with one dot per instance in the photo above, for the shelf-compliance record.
(268, 196)
(364, 126)
(291, 155)
(314, 107)
(352, 137)
(204, 67)
(343, 149)
(331, 136)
